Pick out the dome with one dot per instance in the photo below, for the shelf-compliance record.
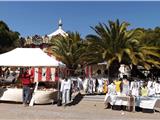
(59, 31)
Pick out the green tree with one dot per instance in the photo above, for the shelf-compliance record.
(116, 45)
(149, 48)
(69, 50)
(150, 37)
(8, 38)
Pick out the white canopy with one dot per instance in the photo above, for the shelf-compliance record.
(58, 32)
(33, 57)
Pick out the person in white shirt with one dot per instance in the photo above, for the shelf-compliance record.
(65, 89)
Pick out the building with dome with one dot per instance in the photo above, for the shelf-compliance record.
(44, 41)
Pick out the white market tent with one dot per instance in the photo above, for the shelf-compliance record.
(28, 57)
(32, 57)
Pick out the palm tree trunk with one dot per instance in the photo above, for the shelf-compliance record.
(114, 70)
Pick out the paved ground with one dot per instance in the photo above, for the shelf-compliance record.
(85, 110)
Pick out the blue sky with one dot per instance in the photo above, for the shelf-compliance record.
(30, 18)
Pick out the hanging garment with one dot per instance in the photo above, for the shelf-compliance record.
(157, 88)
(151, 91)
(144, 91)
(105, 86)
(125, 87)
(100, 85)
(118, 87)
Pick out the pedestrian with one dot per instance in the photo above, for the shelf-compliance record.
(26, 77)
(65, 89)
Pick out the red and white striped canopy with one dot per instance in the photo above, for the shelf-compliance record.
(45, 74)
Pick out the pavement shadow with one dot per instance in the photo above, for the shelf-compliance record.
(2, 90)
(76, 99)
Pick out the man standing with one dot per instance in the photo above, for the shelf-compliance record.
(65, 89)
(26, 83)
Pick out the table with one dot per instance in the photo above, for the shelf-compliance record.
(120, 100)
(142, 102)
(148, 102)
(15, 95)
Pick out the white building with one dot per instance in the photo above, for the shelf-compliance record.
(44, 41)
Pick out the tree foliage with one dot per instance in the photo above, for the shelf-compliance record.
(114, 42)
(69, 49)
(8, 38)
(116, 45)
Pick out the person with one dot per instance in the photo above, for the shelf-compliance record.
(96, 85)
(26, 83)
(65, 89)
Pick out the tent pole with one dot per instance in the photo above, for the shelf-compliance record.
(58, 94)
(33, 95)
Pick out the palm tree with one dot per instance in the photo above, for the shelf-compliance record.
(151, 37)
(115, 44)
(147, 51)
(148, 48)
(69, 50)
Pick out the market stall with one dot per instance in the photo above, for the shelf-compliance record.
(15, 95)
(152, 103)
(35, 58)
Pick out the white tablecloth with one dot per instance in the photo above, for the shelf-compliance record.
(147, 102)
(143, 102)
(15, 94)
(117, 100)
